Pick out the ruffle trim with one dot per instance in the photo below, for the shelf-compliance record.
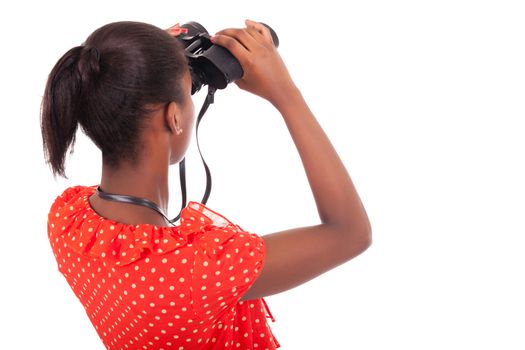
(72, 222)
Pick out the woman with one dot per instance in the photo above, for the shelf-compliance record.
(200, 284)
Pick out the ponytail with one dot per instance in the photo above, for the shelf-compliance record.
(108, 86)
(68, 84)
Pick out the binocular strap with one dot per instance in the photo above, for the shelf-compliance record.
(182, 164)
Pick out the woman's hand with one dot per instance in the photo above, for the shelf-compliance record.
(176, 30)
(265, 73)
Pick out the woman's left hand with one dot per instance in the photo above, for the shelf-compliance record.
(176, 30)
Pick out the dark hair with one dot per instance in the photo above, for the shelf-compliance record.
(106, 86)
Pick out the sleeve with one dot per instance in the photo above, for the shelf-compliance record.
(227, 263)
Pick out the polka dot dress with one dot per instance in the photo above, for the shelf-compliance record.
(150, 287)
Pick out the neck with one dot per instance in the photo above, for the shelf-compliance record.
(143, 181)
(139, 182)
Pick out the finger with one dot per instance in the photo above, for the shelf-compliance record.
(176, 30)
(176, 25)
(233, 45)
(242, 36)
(260, 28)
(258, 36)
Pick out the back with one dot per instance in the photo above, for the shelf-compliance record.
(150, 287)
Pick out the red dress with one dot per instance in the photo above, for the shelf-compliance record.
(150, 287)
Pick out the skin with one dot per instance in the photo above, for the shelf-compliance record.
(164, 141)
(293, 256)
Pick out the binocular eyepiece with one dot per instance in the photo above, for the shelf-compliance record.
(210, 64)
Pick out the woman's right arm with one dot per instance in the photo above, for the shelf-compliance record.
(298, 255)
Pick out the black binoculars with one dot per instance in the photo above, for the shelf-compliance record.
(210, 64)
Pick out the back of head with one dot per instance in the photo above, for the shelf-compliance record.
(107, 86)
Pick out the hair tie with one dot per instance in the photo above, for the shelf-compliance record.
(93, 52)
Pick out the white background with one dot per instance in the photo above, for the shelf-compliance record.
(424, 101)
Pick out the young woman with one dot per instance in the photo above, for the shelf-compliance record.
(199, 284)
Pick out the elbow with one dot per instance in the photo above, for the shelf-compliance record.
(353, 237)
(358, 240)
(363, 240)
(368, 236)
(355, 232)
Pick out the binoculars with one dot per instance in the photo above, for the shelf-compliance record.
(210, 64)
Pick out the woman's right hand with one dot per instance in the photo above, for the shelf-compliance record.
(265, 73)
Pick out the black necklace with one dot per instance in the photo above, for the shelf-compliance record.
(132, 200)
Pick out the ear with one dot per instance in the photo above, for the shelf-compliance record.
(172, 116)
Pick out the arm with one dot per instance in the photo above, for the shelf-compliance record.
(298, 255)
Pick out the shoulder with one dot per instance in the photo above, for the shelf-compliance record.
(71, 194)
(220, 238)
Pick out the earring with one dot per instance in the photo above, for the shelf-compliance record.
(178, 131)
